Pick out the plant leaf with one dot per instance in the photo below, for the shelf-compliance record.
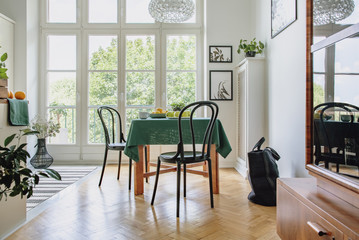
(9, 139)
(4, 57)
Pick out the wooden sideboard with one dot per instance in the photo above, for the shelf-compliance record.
(306, 211)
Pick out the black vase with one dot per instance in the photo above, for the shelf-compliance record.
(42, 159)
(251, 54)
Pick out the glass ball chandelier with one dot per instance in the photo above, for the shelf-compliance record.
(171, 11)
(331, 11)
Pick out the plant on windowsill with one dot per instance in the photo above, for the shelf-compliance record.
(15, 177)
(44, 128)
(251, 48)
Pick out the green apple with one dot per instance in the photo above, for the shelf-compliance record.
(186, 114)
(177, 113)
(170, 114)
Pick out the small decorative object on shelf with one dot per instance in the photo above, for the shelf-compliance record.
(251, 48)
(15, 178)
(45, 128)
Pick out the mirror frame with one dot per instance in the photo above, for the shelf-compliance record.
(323, 176)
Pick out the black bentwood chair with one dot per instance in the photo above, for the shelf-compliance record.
(182, 157)
(330, 135)
(111, 123)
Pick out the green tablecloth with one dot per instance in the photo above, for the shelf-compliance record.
(163, 131)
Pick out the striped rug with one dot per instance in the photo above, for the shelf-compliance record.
(48, 187)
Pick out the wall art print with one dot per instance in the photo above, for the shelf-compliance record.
(221, 85)
(220, 54)
(284, 13)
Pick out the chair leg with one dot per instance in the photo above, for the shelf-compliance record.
(178, 186)
(146, 165)
(210, 182)
(156, 181)
(103, 167)
(119, 164)
(129, 173)
(184, 180)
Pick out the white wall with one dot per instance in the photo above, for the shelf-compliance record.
(286, 64)
(25, 14)
(227, 21)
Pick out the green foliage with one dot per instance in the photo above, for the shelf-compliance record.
(16, 179)
(318, 94)
(178, 106)
(3, 68)
(253, 46)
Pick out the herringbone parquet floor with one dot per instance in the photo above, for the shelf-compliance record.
(113, 212)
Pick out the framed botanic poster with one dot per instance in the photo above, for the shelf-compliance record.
(284, 13)
(220, 54)
(221, 85)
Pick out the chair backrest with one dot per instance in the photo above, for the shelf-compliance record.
(330, 131)
(111, 122)
(207, 134)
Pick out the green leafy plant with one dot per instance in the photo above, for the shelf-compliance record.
(3, 68)
(44, 128)
(177, 106)
(15, 178)
(252, 46)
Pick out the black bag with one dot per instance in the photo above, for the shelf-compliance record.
(263, 174)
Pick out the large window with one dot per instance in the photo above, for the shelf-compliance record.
(111, 52)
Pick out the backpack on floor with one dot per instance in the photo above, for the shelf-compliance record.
(263, 174)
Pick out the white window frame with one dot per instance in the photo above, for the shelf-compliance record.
(92, 152)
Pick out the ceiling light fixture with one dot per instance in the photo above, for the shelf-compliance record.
(171, 11)
(331, 11)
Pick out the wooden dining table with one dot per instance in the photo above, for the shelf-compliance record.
(164, 131)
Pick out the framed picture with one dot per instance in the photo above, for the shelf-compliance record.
(220, 54)
(221, 85)
(284, 13)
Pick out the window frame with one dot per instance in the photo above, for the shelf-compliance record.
(82, 148)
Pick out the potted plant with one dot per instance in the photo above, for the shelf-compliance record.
(44, 128)
(251, 48)
(3, 68)
(15, 177)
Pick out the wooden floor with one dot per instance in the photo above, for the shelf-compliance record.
(113, 212)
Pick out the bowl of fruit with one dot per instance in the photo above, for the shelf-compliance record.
(159, 113)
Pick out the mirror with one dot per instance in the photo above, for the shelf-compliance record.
(335, 78)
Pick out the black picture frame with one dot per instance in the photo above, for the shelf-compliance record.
(283, 14)
(221, 85)
(220, 54)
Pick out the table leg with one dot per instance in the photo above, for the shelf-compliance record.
(139, 171)
(215, 171)
(148, 158)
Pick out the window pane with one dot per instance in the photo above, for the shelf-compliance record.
(140, 52)
(61, 11)
(62, 89)
(62, 52)
(181, 87)
(346, 89)
(96, 132)
(140, 88)
(66, 117)
(103, 88)
(137, 11)
(318, 89)
(343, 50)
(103, 53)
(103, 11)
(181, 52)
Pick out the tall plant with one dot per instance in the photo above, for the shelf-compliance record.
(15, 177)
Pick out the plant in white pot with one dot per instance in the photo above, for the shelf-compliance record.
(250, 48)
(15, 177)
